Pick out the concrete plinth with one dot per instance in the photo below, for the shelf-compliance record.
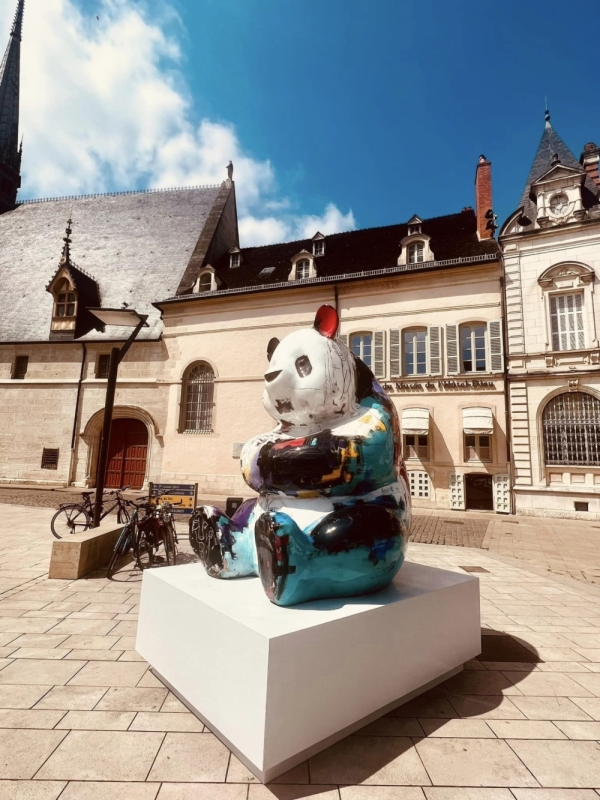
(278, 685)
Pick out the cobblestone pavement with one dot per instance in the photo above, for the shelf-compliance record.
(444, 530)
(81, 715)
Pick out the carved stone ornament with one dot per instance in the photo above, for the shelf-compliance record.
(573, 384)
(566, 276)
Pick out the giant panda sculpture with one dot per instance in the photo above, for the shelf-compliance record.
(333, 513)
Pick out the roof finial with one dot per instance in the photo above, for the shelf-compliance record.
(230, 170)
(66, 253)
(547, 114)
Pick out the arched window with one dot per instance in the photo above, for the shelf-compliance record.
(571, 423)
(415, 252)
(415, 351)
(205, 282)
(302, 269)
(472, 348)
(197, 396)
(65, 299)
(361, 346)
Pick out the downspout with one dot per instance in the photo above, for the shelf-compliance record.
(337, 300)
(76, 416)
(507, 417)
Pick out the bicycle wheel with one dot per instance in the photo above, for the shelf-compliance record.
(169, 541)
(70, 519)
(124, 543)
(143, 550)
(123, 515)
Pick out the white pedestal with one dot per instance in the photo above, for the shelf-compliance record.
(278, 685)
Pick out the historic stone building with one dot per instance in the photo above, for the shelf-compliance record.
(420, 302)
(551, 248)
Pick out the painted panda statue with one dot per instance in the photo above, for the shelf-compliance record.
(333, 513)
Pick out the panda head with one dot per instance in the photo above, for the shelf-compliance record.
(313, 378)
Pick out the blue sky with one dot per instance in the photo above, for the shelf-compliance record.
(337, 113)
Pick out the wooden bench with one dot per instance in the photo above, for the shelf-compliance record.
(81, 553)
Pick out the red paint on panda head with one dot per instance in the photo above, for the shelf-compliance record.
(327, 321)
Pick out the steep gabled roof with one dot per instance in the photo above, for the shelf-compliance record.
(550, 145)
(9, 93)
(136, 245)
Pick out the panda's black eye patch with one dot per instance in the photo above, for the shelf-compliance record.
(303, 366)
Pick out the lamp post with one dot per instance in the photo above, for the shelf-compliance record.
(125, 318)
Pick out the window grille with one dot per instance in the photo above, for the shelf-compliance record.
(420, 485)
(415, 253)
(571, 423)
(50, 458)
(303, 269)
(416, 446)
(566, 314)
(415, 352)
(234, 261)
(361, 346)
(472, 348)
(102, 365)
(198, 393)
(20, 367)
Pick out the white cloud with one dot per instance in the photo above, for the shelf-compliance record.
(104, 107)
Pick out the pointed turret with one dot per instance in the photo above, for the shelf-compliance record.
(10, 153)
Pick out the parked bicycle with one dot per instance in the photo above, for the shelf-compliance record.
(78, 517)
(129, 535)
(157, 528)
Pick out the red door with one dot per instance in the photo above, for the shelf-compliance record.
(127, 453)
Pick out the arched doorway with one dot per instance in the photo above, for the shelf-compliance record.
(127, 454)
(479, 492)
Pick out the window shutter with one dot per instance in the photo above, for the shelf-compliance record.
(434, 337)
(452, 367)
(502, 494)
(343, 337)
(496, 349)
(457, 491)
(395, 353)
(379, 354)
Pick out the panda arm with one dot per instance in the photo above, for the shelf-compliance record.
(250, 454)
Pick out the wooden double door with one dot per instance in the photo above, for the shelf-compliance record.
(127, 454)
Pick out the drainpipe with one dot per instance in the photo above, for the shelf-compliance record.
(507, 417)
(76, 416)
(337, 300)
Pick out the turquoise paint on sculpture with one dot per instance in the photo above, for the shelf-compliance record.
(333, 513)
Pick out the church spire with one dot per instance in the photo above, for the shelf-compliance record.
(10, 154)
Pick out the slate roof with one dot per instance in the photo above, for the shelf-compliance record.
(9, 93)
(452, 236)
(551, 143)
(134, 245)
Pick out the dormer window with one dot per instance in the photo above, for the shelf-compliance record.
(414, 225)
(65, 300)
(234, 260)
(206, 282)
(303, 267)
(318, 244)
(416, 252)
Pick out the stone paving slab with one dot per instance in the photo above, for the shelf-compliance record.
(82, 717)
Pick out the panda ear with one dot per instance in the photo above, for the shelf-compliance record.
(327, 321)
(271, 347)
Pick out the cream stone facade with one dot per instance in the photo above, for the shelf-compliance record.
(551, 249)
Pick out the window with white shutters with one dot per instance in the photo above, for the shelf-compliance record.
(452, 349)
(566, 315)
(361, 345)
(496, 346)
(379, 354)
(395, 354)
(414, 342)
(434, 336)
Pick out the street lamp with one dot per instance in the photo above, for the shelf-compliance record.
(125, 318)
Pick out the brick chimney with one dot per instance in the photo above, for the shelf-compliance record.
(590, 159)
(483, 198)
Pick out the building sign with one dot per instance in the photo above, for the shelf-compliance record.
(399, 387)
(183, 496)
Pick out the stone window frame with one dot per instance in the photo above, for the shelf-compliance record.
(569, 277)
(202, 275)
(412, 239)
(206, 425)
(304, 255)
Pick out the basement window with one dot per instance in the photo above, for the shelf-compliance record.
(582, 506)
(20, 368)
(50, 458)
(102, 365)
